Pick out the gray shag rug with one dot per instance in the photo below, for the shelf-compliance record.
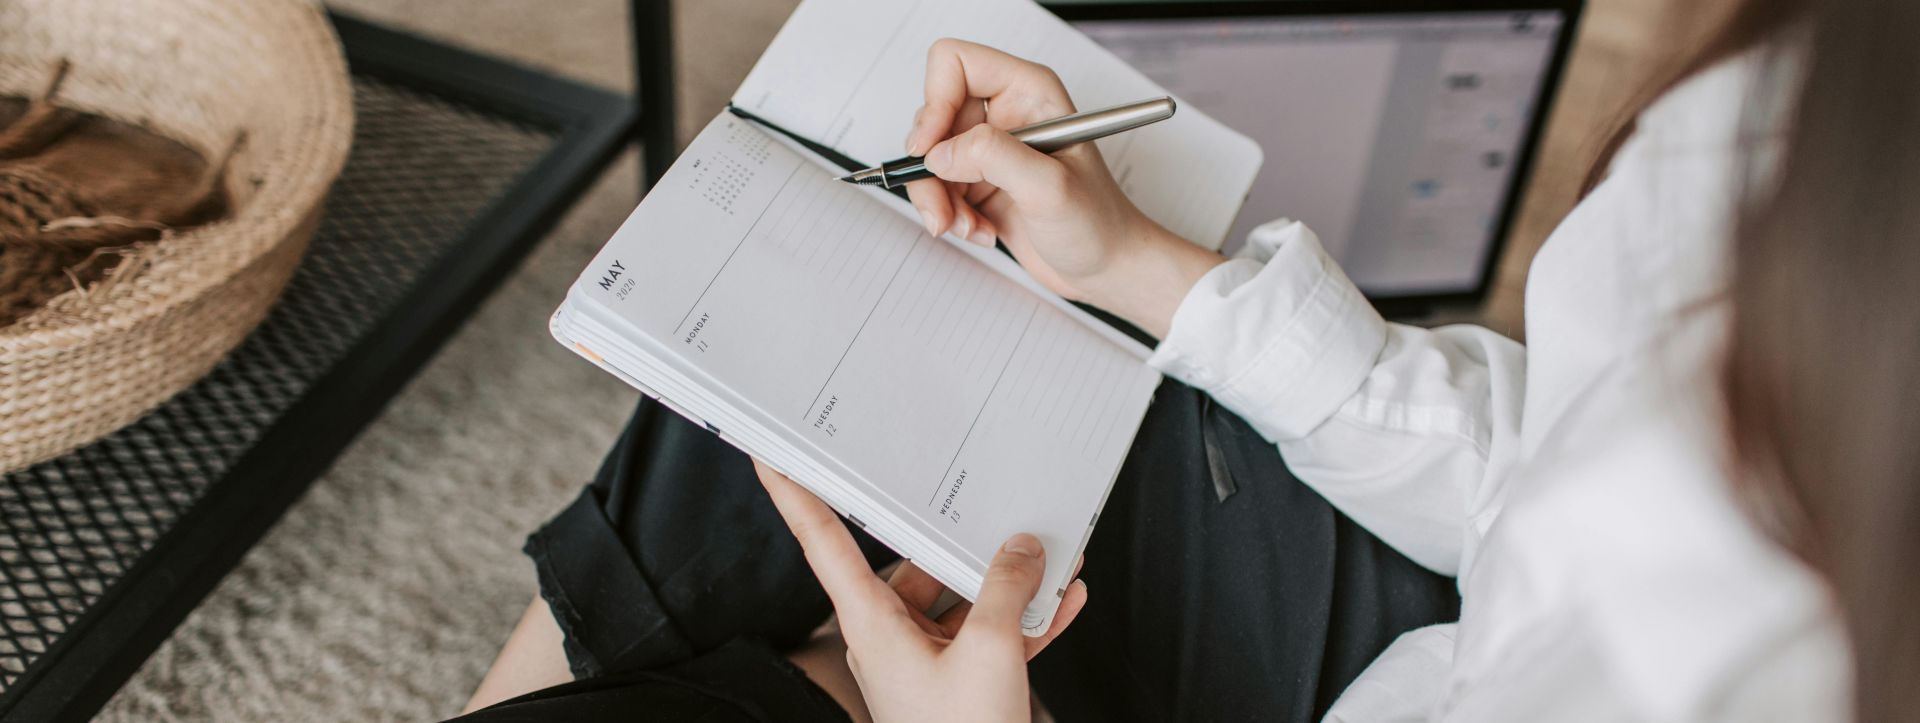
(386, 591)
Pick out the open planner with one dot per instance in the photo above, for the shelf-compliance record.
(926, 388)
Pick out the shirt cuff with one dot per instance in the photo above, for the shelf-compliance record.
(1283, 343)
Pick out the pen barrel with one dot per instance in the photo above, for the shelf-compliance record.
(1052, 135)
(895, 174)
(1049, 136)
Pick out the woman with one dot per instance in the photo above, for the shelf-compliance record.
(1694, 497)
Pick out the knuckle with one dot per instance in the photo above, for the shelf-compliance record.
(804, 529)
(1045, 78)
(1002, 577)
(922, 194)
(1051, 186)
(1053, 90)
(853, 662)
(943, 46)
(1054, 174)
(974, 143)
(1013, 572)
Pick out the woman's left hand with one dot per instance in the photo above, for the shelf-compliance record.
(967, 664)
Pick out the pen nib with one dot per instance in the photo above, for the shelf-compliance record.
(869, 177)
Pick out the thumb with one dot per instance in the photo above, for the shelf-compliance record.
(1011, 580)
(986, 153)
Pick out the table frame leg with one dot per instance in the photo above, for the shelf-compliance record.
(653, 86)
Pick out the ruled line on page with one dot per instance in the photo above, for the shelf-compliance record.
(940, 483)
(850, 344)
(730, 255)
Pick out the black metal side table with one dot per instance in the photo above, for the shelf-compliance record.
(460, 164)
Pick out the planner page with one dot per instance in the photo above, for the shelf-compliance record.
(849, 74)
(967, 404)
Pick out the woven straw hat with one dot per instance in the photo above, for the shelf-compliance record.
(201, 72)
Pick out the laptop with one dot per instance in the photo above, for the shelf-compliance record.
(1400, 132)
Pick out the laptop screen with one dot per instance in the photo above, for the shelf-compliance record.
(1395, 137)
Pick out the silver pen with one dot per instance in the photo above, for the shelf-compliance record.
(1046, 137)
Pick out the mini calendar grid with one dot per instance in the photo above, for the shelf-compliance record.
(720, 177)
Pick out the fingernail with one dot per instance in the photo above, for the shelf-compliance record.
(926, 219)
(962, 224)
(981, 236)
(940, 157)
(913, 142)
(1022, 544)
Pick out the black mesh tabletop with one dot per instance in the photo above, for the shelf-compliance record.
(424, 170)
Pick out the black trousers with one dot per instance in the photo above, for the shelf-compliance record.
(1220, 588)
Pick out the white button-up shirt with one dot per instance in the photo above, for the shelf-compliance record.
(1576, 486)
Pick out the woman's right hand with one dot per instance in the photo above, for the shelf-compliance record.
(1062, 215)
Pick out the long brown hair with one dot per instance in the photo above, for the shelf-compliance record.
(1822, 375)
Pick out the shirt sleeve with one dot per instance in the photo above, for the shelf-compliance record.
(1404, 429)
